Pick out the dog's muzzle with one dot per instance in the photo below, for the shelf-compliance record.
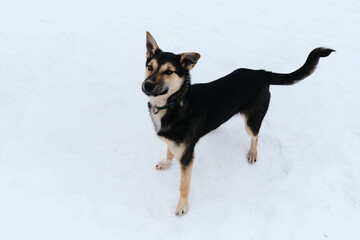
(148, 86)
(150, 89)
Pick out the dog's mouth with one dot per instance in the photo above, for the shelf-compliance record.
(164, 92)
(155, 93)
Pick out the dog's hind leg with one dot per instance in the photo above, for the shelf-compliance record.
(254, 114)
(252, 154)
(165, 163)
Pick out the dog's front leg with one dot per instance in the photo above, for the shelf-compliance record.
(186, 164)
(165, 163)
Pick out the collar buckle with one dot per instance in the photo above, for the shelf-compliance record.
(169, 105)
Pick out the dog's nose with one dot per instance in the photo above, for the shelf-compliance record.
(149, 86)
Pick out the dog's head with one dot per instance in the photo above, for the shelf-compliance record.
(165, 72)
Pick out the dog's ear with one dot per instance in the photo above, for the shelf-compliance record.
(188, 60)
(151, 45)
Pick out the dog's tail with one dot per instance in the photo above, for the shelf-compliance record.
(303, 72)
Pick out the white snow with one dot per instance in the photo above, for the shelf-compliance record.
(78, 149)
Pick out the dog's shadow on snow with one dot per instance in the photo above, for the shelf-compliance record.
(221, 171)
(223, 152)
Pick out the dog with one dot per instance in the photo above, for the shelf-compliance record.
(182, 112)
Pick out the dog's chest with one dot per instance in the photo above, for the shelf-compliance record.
(156, 119)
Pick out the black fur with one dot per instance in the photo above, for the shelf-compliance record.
(204, 107)
(308, 68)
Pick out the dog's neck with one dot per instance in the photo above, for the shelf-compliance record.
(159, 100)
(179, 97)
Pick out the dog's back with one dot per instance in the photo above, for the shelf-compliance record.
(223, 98)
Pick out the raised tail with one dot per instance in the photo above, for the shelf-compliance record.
(303, 72)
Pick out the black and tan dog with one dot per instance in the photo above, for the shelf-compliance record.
(182, 113)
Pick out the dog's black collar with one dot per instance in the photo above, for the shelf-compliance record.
(170, 105)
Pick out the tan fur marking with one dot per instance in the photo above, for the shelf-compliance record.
(167, 66)
(169, 155)
(167, 78)
(254, 142)
(176, 149)
(154, 65)
(165, 163)
(252, 154)
(248, 130)
(183, 204)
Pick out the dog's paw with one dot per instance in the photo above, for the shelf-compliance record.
(181, 209)
(163, 164)
(252, 157)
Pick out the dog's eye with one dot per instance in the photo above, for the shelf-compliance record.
(150, 68)
(168, 72)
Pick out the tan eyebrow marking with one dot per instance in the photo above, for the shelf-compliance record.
(167, 66)
(153, 63)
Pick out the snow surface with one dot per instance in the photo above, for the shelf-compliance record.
(78, 149)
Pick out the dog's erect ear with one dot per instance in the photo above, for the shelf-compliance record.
(188, 60)
(151, 45)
